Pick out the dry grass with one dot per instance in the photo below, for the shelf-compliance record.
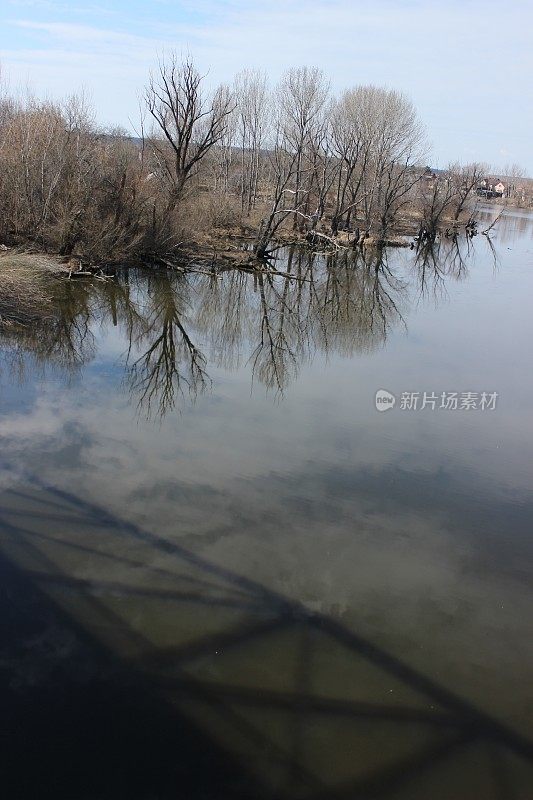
(25, 287)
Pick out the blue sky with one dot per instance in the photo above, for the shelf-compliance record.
(468, 65)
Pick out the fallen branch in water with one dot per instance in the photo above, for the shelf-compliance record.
(493, 223)
(256, 268)
(185, 267)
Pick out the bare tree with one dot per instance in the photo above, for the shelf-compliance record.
(252, 97)
(222, 153)
(322, 172)
(301, 97)
(396, 143)
(283, 168)
(377, 140)
(294, 155)
(437, 202)
(352, 138)
(464, 180)
(188, 127)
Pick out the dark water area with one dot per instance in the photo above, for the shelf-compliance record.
(225, 574)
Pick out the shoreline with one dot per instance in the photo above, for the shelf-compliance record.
(27, 272)
(234, 245)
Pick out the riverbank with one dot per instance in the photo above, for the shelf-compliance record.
(29, 278)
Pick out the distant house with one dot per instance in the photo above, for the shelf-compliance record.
(490, 187)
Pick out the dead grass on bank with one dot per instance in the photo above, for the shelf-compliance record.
(26, 281)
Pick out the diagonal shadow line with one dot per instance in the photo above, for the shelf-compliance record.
(125, 590)
(490, 726)
(379, 784)
(100, 609)
(311, 704)
(125, 560)
(120, 560)
(173, 549)
(441, 695)
(58, 517)
(37, 499)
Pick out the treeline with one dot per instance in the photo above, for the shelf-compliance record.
(294, 156)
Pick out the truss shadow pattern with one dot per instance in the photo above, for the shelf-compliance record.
(295, 701)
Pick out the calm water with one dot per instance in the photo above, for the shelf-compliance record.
(225, 574)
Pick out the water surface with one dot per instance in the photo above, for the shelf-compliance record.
(225, 574)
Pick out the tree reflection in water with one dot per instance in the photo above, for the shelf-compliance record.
(178, 324)
(171, 359)
(180, 675)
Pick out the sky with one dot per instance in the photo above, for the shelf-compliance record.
(466, 64)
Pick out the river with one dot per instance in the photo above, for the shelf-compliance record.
(226, 573)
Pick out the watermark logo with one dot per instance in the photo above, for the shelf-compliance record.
(444, 401)
(384, 400)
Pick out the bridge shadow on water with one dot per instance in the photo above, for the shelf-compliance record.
(135, 668)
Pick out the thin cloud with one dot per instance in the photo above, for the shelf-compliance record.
(70, 33)
(440, 55)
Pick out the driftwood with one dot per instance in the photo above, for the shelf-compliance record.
(315, 237)
(80, 273)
